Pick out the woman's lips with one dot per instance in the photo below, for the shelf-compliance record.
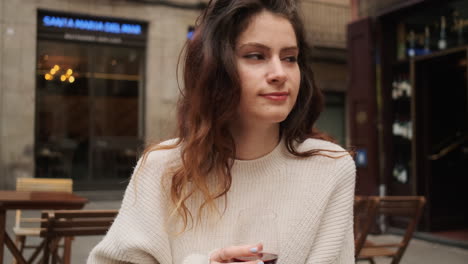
(280, 96)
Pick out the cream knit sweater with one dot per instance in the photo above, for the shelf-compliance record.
(312, 196)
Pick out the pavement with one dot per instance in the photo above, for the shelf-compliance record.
(419, 251)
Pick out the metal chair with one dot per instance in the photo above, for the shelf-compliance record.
(405, 210)
(71, 223)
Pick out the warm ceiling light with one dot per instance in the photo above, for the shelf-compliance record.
(53, 71)
(56, 67)
(69, 72)
(63, 78)
(48, 76)
(71, 79)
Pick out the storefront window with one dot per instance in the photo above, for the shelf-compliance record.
(88, 111)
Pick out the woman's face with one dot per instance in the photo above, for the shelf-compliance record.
(266, 56)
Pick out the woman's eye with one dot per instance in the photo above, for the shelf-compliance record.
(254, 56)
(291, 59)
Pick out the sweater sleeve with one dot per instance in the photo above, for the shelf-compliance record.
(334, 242)
(197, 259)
(138, 234)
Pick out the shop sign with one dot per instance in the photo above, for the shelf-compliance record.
(82, 27)
(91, 25)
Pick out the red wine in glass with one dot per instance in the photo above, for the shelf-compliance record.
(267, 258)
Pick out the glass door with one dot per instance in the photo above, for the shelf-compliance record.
(115, 112)
(88, 116)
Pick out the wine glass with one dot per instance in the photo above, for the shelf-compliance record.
(254, 226)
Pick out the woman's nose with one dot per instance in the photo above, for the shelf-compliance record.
(277, 73)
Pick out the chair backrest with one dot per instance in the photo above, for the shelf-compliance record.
(41, 184)
(44, 184)
(407, 209)
(62, 223)
(70, 223)
(365, 209)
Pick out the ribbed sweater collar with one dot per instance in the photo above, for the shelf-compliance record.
(269, 162)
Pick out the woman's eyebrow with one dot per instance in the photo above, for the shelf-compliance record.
(293, 48)
(259, 45)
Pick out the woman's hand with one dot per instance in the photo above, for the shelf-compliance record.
(229, 254)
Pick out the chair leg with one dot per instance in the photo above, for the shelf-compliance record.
(46, 254)
(54, 250)
(57, 258)
(67, 250)
(54, 258)
(36, 252)
(19, 242)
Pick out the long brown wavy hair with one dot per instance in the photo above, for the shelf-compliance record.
(211, 95)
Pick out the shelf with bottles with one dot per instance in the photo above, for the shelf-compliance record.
(401, 171)
(402, 155)
(401, 87)
(432, 30)
(403, 130)
(401, 106)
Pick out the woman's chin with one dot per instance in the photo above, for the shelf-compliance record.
(276, 118)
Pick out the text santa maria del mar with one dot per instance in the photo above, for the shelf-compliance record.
(92, 25)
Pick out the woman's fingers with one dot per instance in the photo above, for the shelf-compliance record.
(229, 253)
(248, 262)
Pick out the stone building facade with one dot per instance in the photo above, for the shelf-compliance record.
(166, 34)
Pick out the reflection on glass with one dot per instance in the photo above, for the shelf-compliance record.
(87, 110)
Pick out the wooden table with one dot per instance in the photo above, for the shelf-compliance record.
(14, 200)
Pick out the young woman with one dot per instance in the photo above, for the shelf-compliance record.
(245, 140)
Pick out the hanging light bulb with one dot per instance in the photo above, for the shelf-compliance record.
(48, 76)
(63, 78)
(71, 79)
(69, 72)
